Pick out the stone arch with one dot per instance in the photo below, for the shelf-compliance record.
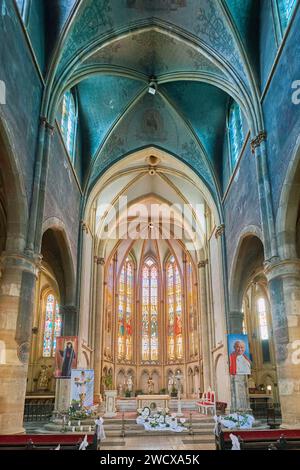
(287, 218)
(248, 257)
(56, 252)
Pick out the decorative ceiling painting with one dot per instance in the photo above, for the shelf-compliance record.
(196, 54)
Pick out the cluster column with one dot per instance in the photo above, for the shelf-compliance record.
(17, 289)
(284, 287)
(205, 329)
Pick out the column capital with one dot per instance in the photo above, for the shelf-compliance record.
(220, 230)
(203, 263)
(255, 143)
(84, 226)
(275, 268)
(99, 261)
(44, 122)
(28, 261)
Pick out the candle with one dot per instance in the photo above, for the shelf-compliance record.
(73, 428)
(79, 423)
(69, 423)
(90, 428)
(81, 428)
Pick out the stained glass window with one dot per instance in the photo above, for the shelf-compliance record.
(125, 312)
(174, 311)
(23, 6)
(150, 311)
(236, 133)
(68, 122)
(262, 318)
(52, 327)
(285, 9)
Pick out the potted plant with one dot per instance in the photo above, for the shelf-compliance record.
(174, 392)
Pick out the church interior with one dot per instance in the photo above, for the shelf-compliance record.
(149, 217)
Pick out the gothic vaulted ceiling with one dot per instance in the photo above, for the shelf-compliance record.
(197, 52)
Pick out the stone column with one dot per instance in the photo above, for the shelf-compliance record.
(99, 325)
(239, 383)
(284, 287)
(17, 289)
(205, 333)
(258, 148)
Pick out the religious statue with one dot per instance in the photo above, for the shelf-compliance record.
(170, 384)
(43, 378)
(129, 384)
(150, 385)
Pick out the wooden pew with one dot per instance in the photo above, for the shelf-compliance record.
(279, 439)
(43, 441)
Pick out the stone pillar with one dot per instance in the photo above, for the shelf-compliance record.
(239, 383)
(17, 289)
(258, 147)
(205, 339)
(62, 395)
(284, 287)
(99, 326)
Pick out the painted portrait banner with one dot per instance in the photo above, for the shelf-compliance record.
(65, 356)
(239, 354)
(82, 387)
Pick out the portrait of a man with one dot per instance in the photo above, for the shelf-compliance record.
(239, 356)
(65, 356)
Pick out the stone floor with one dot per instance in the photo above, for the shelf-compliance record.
(160, 443)
(144, 441)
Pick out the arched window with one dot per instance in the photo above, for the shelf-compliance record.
(174, 311)
(150, 311)
(236, 133)
(52, 326)
(68, 123)
(285, 10)
(263, 328)
(125, 312)
(262, 318)
(23, 7)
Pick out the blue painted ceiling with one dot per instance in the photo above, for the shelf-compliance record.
(197, 50)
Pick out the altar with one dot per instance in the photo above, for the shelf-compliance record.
(154, 402)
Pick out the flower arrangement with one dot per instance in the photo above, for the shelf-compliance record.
(237, 420)
(78, 412)
(159, 420)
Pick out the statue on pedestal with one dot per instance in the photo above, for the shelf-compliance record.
(129, 384)
(150, 384)
(170, 384)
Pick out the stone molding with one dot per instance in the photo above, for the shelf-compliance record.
(282, 268)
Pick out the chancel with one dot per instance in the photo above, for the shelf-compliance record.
(149, 222)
